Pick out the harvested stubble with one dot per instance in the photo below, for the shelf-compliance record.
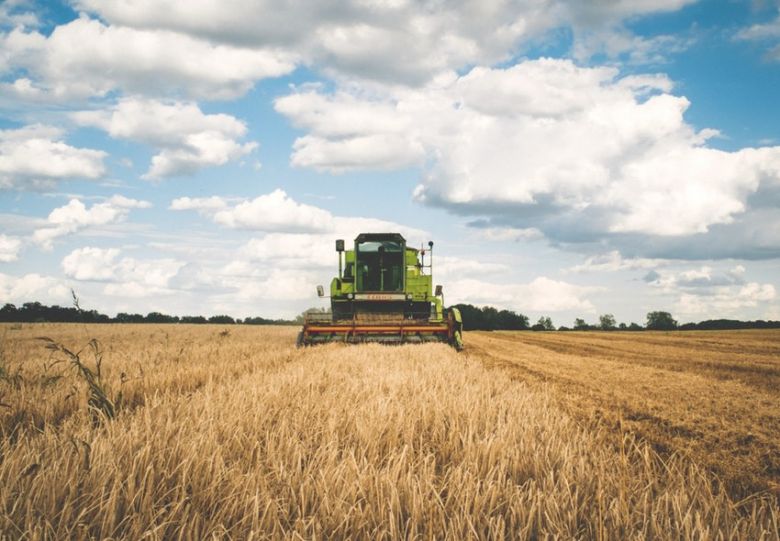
(714, 396)
(334, 442)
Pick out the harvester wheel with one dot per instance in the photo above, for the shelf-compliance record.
(457, 340)
(299, 340)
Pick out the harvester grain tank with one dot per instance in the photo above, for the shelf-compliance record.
(383, 293)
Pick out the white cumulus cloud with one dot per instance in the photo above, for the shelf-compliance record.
(85, 58)
(126, 276)
(90, 263)
(187, 139)
(540, 295)
(279, 284)
(277, 212)
(9, 248)
(394, 42)
(705, 291)
(348, 133)
(17, 13)
(450, 268)
(767, 33)
(515, 234)
(212, 203)
(307, 251)
(574, 150)
(725, 301)
(697, 281)
(613, 261)
(291, 250)
(35, 157)
(76, 216)
(32, 287)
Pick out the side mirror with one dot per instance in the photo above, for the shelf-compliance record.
(320, 291)
(340, 245)
(438, 291)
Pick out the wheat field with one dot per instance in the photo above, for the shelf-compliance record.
(193, 432)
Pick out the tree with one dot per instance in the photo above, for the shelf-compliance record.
(580, 325)
(123, 317)
(661, 321)
(510, 321)
(607, 322)
(257, 321)
(8, 313)
(222, 319)
(192, 319)
(544, 324)
(488, 318)
(264, 321)
(157, 317)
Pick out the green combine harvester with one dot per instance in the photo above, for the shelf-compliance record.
(383, 293)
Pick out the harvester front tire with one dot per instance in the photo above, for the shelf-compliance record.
(299, 341)
(457, 340)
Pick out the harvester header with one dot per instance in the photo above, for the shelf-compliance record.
(383, 293)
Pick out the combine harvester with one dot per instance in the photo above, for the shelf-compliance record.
(384, 294)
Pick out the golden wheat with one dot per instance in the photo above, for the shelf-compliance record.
(243, 436)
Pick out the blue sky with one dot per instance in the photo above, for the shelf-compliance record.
(569, 159)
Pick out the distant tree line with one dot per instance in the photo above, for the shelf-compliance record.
(488, 318)
(35, 312)
(724, 324)
(663, 321)
(475, 318)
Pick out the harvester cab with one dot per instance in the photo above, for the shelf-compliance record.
(384, 293)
